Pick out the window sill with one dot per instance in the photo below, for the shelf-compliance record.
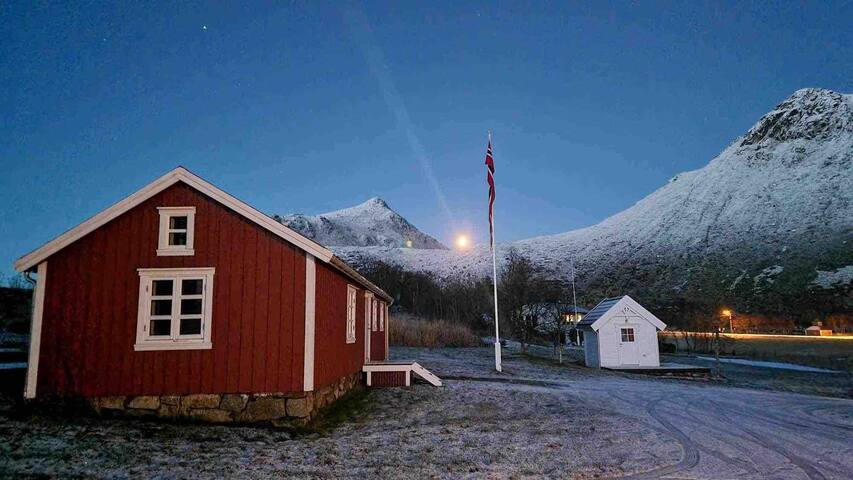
(350, 342)
(170, 345)
(175, 252)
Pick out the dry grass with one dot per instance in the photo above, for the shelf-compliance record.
(822, 352)
(411, 331)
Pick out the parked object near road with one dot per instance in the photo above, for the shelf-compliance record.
(818, 331)
(128, 317)
(619, 333)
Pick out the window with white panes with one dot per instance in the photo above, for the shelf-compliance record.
(177, 231)
(627, 335)
(175, 309)
(352, 295)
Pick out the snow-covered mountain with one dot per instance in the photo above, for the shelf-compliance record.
(371, 223)
(771, 215)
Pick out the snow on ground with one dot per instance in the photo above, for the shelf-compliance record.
(536, 420)
(762, 364)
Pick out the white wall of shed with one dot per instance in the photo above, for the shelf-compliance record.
(645, 334)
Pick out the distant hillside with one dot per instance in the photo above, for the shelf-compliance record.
(766, 225)
(372, 223)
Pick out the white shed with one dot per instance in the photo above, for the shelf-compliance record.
(619, 333)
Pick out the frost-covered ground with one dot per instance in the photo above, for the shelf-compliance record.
(535, 420)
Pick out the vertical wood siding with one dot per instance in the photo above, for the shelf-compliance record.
(377, 337)
(91, 296)
(333, 357)
(388, 379)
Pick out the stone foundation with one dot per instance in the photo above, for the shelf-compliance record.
(279, 409)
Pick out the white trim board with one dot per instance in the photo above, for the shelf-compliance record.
(179, 174)
(310, 306)
(35, 332)
(627, 303)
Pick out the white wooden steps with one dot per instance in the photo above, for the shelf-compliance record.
(388, 374)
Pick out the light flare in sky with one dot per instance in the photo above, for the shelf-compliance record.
(361, 30)
(462, 242)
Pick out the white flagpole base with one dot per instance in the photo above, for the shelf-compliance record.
(498, 356)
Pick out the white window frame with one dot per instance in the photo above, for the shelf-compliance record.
(352, 306)
(163, 247)
(175, 341)
(381, 317)
(627, 334)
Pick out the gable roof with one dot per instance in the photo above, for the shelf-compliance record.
(597, 311)
(181, 174)
(609, 307)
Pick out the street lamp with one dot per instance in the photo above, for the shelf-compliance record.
(728, 314)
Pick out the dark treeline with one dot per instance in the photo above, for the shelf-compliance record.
(470, 301)
(422, 294)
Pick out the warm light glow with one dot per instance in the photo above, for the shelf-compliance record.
(409, 243)
(462, 242)
(727, 313)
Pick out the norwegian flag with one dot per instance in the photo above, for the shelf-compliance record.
(490, 177)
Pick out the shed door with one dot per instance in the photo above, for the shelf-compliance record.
(629, 353)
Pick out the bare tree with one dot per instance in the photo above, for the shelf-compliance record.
(517, 290)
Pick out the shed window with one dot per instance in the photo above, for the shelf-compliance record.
(382, 317)
(627, 335)
(177, 225)
(175, 309)
(352, 293)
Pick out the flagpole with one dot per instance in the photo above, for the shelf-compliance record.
(495, 284)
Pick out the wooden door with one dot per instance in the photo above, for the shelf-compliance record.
(629, 352)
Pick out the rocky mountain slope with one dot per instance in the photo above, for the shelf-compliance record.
(768, 220)
(372, 223)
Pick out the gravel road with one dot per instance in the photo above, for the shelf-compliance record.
(722, 432)
(535, 420)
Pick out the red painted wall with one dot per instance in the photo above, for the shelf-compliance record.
(91, 296)
(333, 357)
(377, 336)
(388, 379)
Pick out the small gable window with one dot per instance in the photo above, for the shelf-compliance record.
(176, 231)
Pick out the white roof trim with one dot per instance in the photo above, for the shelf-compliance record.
(630, 303)
(179, 174)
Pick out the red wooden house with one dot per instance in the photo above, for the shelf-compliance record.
(182, 300)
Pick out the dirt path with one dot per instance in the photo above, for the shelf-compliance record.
(722, 432)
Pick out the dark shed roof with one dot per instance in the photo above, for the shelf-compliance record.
(598, 311)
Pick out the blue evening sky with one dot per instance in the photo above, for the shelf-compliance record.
(312, 107)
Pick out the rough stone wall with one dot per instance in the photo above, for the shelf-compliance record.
(278, 409)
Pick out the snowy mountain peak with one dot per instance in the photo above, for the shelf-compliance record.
(810, 113)
(374, 204)
(775, 206)
(369, 224)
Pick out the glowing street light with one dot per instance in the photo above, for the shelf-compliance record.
(728, 314)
